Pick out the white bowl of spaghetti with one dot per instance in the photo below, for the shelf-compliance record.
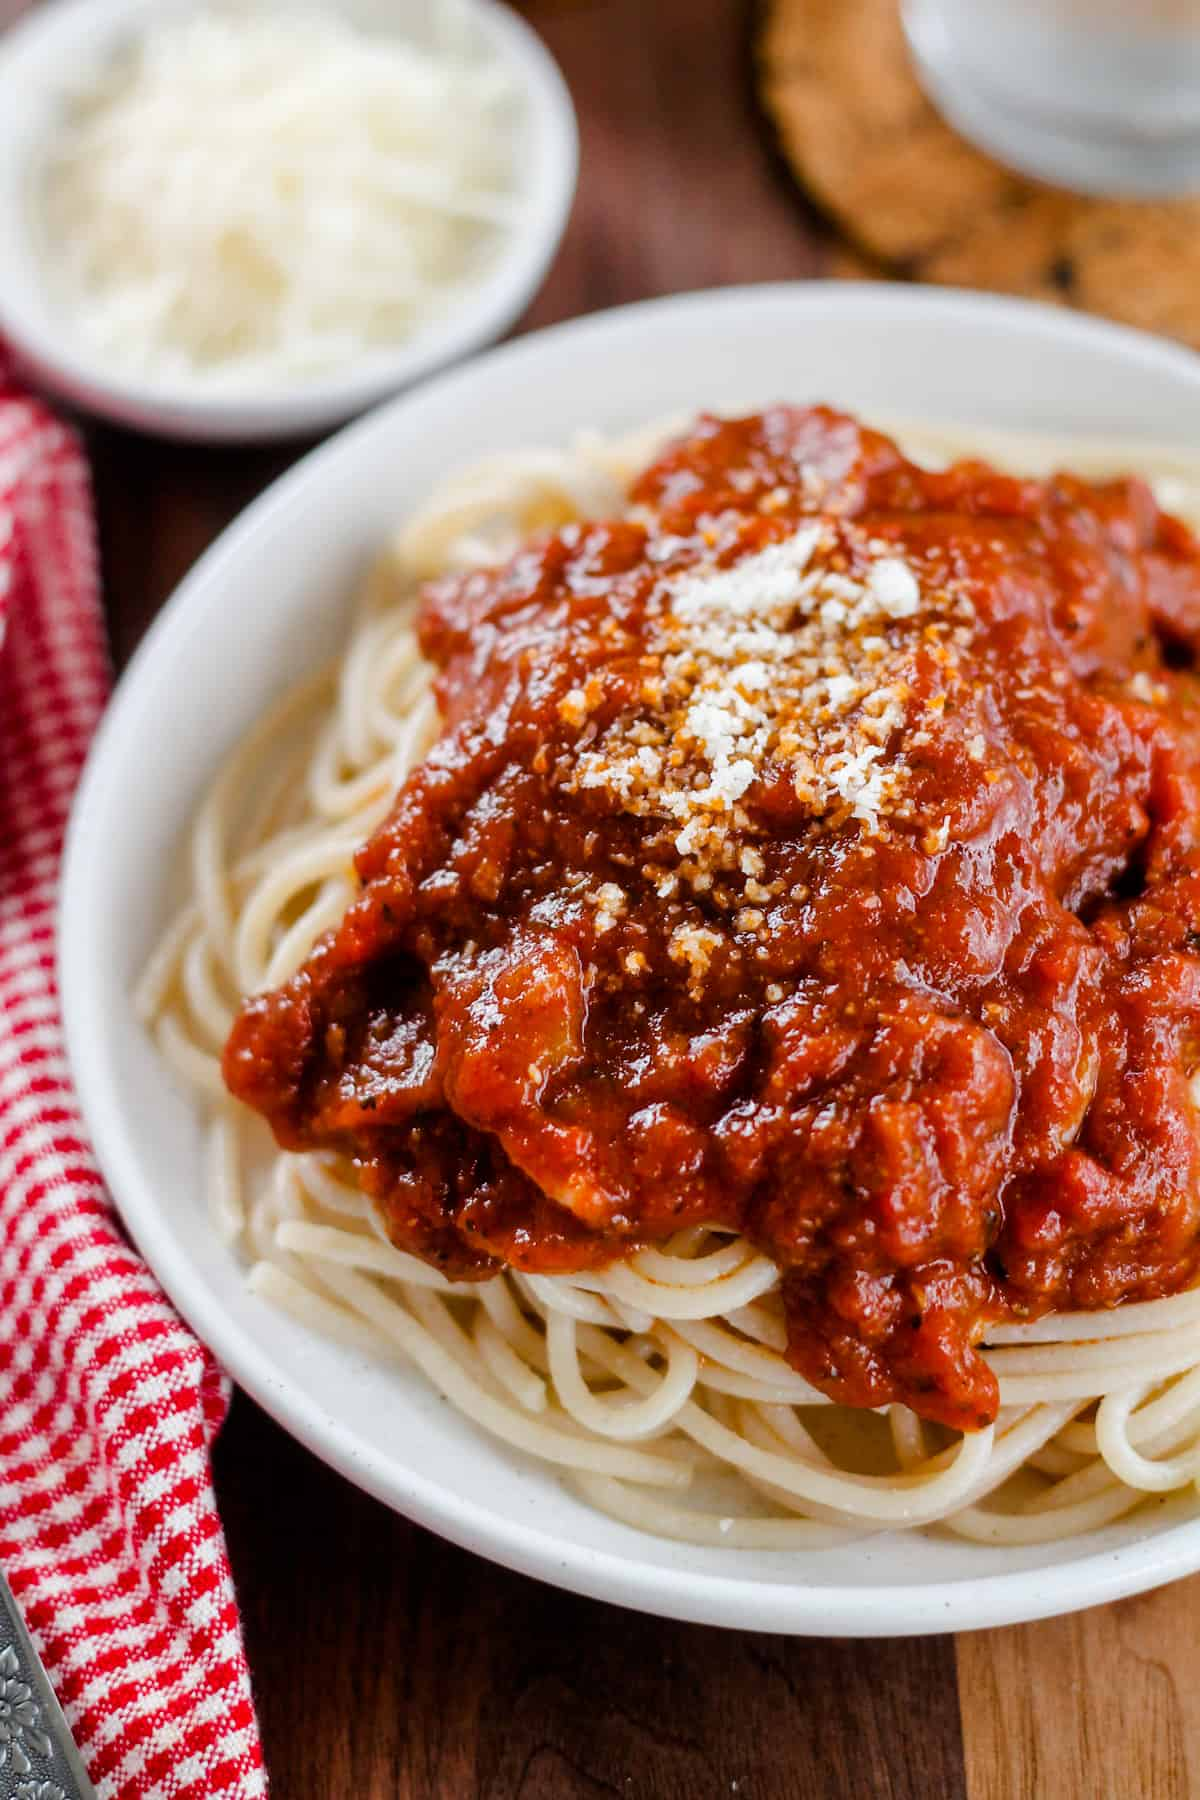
(633, 1433)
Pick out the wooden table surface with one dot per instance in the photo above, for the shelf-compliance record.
(388, 1664)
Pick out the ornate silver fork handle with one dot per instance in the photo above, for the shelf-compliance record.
(38, 1758)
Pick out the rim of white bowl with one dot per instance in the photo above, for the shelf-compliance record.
(735, 1601)
(69, 34)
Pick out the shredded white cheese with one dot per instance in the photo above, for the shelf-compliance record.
(271, 192)
(790, 660)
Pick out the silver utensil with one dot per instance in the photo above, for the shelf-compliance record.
(38, 1758)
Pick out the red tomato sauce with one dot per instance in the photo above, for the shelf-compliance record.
(851, 902)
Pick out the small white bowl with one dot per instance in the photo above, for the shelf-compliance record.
(269, 602)
(41, 62)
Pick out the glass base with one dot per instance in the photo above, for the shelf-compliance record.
(1070, 148)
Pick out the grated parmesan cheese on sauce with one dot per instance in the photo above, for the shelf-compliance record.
(790, 661)
(271, 192)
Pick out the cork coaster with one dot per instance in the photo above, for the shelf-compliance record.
(916, 200)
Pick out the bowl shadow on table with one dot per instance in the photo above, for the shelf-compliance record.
(393, 1664)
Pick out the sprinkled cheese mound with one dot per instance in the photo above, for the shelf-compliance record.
(272, 193)
(790, 661)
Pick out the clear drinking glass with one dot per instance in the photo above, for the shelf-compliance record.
(1100, 95)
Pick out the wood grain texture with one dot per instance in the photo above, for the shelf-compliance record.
(1101, 1706)
(679, 182)
(158, 506)
(390, 1664)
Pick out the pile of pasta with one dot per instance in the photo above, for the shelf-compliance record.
(658, 1387)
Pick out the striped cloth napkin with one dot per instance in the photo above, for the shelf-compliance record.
(109, 1533)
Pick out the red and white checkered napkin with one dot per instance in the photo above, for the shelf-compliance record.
(109, 1533)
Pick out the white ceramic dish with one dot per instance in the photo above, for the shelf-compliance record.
(267, 602)
(44, 55)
